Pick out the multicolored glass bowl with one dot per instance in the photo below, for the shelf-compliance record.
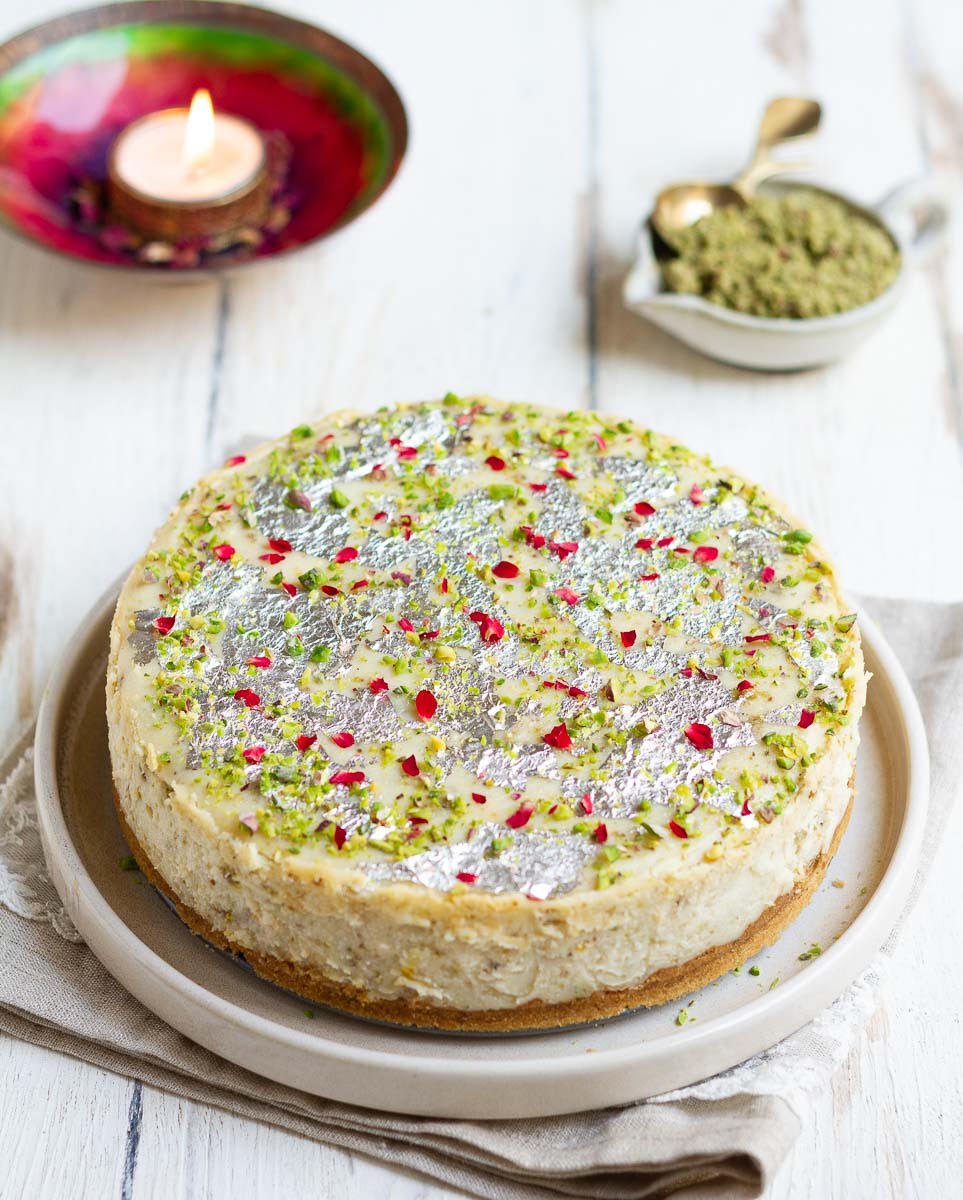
(333, 122)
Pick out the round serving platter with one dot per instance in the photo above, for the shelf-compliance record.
(210, 998)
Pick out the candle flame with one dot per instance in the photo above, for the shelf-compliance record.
(199, 132)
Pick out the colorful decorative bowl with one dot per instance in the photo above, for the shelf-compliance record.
(335, 125)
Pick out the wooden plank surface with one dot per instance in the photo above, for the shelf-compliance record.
(540, 130)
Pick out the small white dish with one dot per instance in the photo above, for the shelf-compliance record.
(915, 216)
(213, 1000)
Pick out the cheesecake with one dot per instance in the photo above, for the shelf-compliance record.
(479, 716)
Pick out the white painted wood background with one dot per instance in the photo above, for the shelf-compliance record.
(540, 131)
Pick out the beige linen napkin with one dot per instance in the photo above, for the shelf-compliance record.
(725, 1137)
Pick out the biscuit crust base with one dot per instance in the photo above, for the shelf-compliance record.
(661, 986)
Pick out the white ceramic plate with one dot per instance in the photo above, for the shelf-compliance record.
(218, 1003)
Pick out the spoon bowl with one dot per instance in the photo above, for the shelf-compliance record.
(683, 204)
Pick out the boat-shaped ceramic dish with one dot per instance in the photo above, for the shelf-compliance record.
(913, 215)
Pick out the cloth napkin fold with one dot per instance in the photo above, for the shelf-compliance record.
(725, 1137)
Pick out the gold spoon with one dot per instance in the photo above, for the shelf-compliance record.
(785, 119)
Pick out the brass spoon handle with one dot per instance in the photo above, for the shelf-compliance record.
(785, 119)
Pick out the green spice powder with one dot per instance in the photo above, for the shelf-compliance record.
(800, 254)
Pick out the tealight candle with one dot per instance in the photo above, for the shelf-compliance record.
(183, 173)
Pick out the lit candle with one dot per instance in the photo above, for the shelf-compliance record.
(184, 173)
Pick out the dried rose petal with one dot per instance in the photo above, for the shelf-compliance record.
(645, 543)
(705, 554)
(259, 660)
(489, 629)
(282, 545)
(347, 778)
(425, 704)
(806, 718)
(376, 686)
(566, 594)
(164, 624)
(587, 806)
(767, 574)
(340, 836)
(505, 570)
(305, 741)
(643, 508)
(407, 452)
(496, 463)
(628, 637)
(348, 554)
(677, 829)
(696, 494)
(466, 877)
(520, 817)
(759, 637)
(564, 472)
(558, 737)
(250, 820)
(345, 740)
(699, 735)
(665, 541)
(254, 754)
(235, 460)
(246, 696)
(479, 797)
(746, 810)
(538, 487)
(406, 626)
(563, 549)
(224, 551)
(290, 588)
(271, 559)
(744, 685)
(648, 578)
(601, 833)
(410, 766)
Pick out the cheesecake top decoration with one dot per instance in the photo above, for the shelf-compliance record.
(474, 645)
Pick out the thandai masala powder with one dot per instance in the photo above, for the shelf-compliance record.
(799, 254)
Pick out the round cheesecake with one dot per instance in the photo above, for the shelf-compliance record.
(478, 716)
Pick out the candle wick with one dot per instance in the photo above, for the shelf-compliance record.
(199, 167)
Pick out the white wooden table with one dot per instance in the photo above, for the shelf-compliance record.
(540, 130)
